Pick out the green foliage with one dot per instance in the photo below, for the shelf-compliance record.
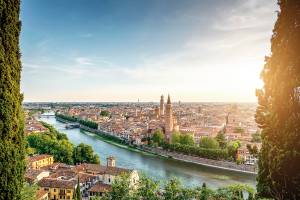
(175, 139)
(62, 150)
(158, 137)
(187, 139)
(84, 154)
(235, 192)
(238, 130)
(216, 154)
(66, 117)
(104, 113)
(209, 143)
(173, 190)
(256, 137)
(89, 124)
(58, 145)
(148, 189)
(232, 148)
(28, 192)
(54, 132)
(77, 191)
(279, 108)
(253, 150)
(184, 139)
(121, 189)
(220, 138)
(12, 149)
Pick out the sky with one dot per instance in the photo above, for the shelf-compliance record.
(125, 50)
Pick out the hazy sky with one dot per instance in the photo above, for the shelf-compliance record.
(122, 50)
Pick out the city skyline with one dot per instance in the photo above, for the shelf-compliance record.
(198, 51)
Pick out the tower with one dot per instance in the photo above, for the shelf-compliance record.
(162, 106)
(111, 161)
(169, 119)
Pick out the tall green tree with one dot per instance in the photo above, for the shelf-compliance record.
(209, 143)
(221, 139)
(175, 137)
(147, 189)
(12, 151)
(158, 137)
(77, 191)
(187, 139)
(279, 108)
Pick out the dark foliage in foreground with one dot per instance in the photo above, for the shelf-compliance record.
(12, 151)
(279, 108)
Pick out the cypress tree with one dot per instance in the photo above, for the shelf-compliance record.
(12, 154)
(77, 192)
(278, 113)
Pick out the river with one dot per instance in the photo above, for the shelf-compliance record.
(158, 168)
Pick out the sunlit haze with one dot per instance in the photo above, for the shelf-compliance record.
(202, 50)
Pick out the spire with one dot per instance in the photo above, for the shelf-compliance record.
(169, 99)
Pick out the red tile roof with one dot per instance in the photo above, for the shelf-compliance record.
(100, 187)
(38, 157)
(56, 183)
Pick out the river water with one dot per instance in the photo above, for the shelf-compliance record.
(158, 168)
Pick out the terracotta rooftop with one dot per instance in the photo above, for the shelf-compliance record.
(31, 174)
(38, 157)
(55, 183)
(100, 187)
(40, 193)
(99, 169)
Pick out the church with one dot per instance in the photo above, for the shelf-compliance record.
(165, 114)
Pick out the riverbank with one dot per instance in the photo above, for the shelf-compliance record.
(219, 164)
(100, 135)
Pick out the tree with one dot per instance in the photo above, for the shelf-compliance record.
(104, 113)
(184, 139)
(187, 139)
(83, 153)
(28, 192)
(256, 137)
(221, 139)
(158, 137)
(239, 130)
(232, 148)
(175, 137)
(173, 190)
(147, 189)
(279, 107)
(12, 150)
(77, 191)
(253, 150)
(121, 188)
(209, 143)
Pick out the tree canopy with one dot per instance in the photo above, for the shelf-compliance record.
(58, 145)
(279, 108)
(209, 143)
(12, 150)
(158, 137)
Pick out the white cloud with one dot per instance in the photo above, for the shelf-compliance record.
(83, 61)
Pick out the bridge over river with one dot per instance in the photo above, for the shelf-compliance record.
(155, 167)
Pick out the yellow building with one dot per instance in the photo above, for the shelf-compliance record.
(58, 189)
(38, 161)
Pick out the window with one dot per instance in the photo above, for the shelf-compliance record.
(46, 189)
(54, 190)
(68, 191)
(109, 180)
